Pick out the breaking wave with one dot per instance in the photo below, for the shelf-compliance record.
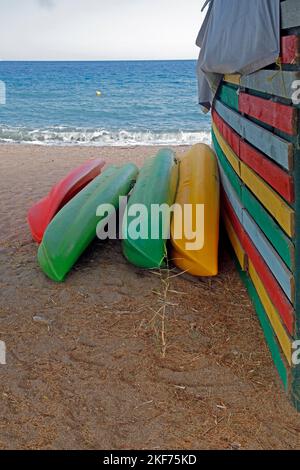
(100, 137)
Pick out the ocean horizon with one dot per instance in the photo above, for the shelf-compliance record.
(139, 102)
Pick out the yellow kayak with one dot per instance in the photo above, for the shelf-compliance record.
(195, 233)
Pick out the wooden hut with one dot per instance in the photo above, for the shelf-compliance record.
(255, 134)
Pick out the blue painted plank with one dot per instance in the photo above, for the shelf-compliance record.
(277, 83)
(268, 253)
(231, 194)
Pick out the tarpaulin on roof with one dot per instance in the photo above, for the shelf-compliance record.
(237, 36)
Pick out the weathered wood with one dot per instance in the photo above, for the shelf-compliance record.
(280, 116)
(276, 294)
(279, 300)
(275, 147)
(229, 96)
(277, 178)
(290, 50)
(284, 340)
(277, 83)
(227, 168)
(270, 256)
(272, 259)
(227, 209)
(284, 215)
(227, 151)
(231, 137)
(282, 244)
(268, 331)
(290, 14)
(236, 244)
(231, 195)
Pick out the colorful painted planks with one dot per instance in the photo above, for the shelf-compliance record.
(279, 83)
(277, 178)
(263, 246)
(235, 242)
(279, 116)
(284, 339)
(277, 207)
(273, 174)
(272, 259)
(275, 147)
(281, 211)
(226, 149)
(268, 331)
(231, 137)
(260, 195)
(278, 298)
(283, 245)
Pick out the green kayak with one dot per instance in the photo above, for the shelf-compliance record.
(144, 240)
(74, 227)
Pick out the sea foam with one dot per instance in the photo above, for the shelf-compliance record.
(100, 137)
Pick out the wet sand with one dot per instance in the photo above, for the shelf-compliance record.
(85, 364)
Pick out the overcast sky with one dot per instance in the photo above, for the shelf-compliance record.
(99, 29)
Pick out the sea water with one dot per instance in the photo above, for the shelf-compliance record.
(140, 103)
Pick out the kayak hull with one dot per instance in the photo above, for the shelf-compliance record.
(41, 213)
(156, 185)
(198, 185)
(75, 226)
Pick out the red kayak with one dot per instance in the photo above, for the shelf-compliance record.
(41, 214)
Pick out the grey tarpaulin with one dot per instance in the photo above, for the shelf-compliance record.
(237, 36)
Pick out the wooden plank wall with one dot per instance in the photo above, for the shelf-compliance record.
(256, 136)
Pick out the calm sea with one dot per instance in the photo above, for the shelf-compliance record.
(55, 103)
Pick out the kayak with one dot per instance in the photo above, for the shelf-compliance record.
(198, 185)
(41, 214)
(75, 226)
(156, 185)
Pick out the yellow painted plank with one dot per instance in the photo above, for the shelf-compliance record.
(282, 335)
(238, 249)
(235, 79)
(227, 150)
(281, 211)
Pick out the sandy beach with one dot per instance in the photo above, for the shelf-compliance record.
(85, 368)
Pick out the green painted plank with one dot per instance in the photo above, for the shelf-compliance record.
(228, 95)
(267, 329)
(271, 229)
(229, 171)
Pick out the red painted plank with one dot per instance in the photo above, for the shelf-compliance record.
(231, 137)
(280, 116)
(277, 296)
(290, 49)
(273, 174)
(281, 181)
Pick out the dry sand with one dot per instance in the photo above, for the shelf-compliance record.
(89, 372)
